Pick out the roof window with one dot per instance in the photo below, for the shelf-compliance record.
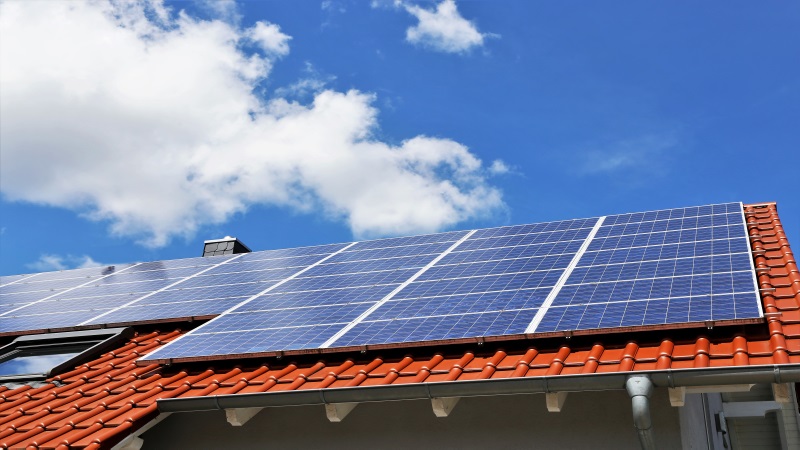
(37, 357)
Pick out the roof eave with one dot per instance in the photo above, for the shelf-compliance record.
(671, 378)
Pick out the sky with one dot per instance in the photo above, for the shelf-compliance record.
(134, 131)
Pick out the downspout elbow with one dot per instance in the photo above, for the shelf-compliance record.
(640, 388)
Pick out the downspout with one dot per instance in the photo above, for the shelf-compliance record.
(640, 388)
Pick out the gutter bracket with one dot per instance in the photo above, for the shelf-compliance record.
(443, 406)
(336, 412)
(555, 401)
(677, 396)
(239, 416)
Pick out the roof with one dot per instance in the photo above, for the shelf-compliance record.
(101, 402)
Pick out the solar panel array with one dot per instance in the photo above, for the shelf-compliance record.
(671, 267)
(668, 267)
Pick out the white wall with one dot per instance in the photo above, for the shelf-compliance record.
(596, 420)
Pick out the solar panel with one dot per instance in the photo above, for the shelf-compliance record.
(659, 268)
(675, 267)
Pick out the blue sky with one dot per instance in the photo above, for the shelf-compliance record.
(134, 131)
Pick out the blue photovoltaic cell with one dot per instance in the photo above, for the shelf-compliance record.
(461, 304)
(657, 268)
(291, 317)
(524, 239)
(6, 308)
(23, 297)
(525, 280)
(143, 312)
(237, 278)
(534, 228)
(89, 272)
(451, 236)
(178, 294)
(239, 265)
(7, 279)
(72, 305)
(496, 323)
(201, 262)
(552, 250)
(392, 252)
(46, 288)
(251, 341)
(362, 294)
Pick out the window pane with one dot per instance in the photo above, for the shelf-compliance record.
(33, 363)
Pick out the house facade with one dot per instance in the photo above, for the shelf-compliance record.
(716, 386)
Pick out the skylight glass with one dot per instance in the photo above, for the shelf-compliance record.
(34, 363)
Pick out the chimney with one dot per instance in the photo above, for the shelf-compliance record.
(225, 246)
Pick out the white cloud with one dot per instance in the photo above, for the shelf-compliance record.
(498, 167)
(226, 10)
(646, 151)
(313, 83)
(443, 28)
(152, 125)
(49, 262)
(269, 37)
